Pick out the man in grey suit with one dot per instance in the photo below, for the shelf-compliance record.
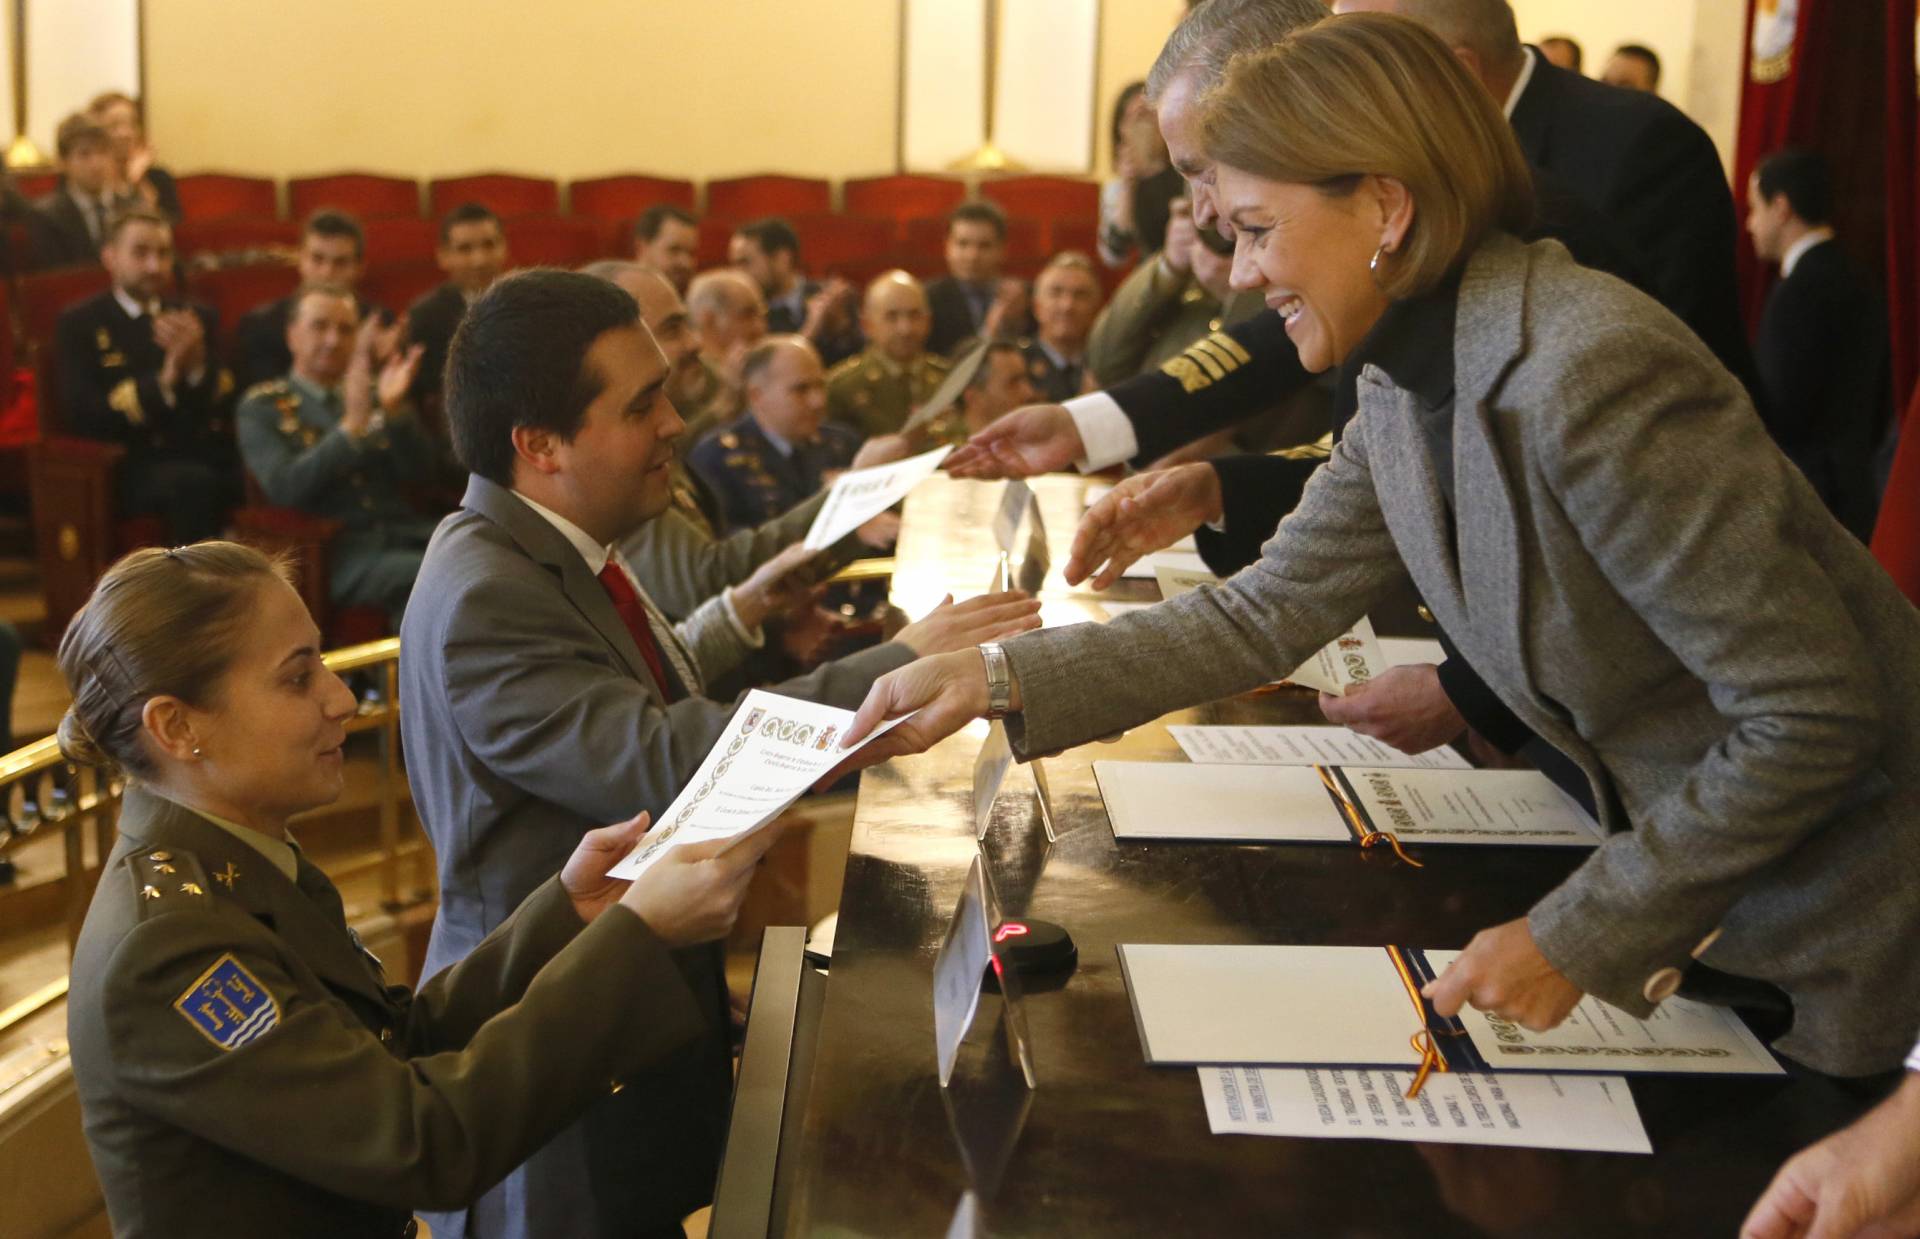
(542, 688)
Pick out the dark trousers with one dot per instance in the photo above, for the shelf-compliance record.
(189, 495)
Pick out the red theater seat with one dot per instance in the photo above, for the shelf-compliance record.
(367, 195)
(1044, 197)
(750, 197)
(503, 193)
(902, 198)
(232, 291)
(831, 243)
(551, 241)
(400, 239)
(216, 195)
(232, 234)
(397, 285)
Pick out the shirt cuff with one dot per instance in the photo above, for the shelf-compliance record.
(1913, 1059)
(753, 638)
(1106, 433)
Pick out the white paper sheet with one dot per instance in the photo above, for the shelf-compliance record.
(773, 750)
(1302, 746)
(1411, 651)
(1354, 657)
(1472, 806)
(1174, 580)
(1239, 804)
(1680, 1035)
(1589, 1113)
(989, 771)
(859, 495)
(1142, 568)
(959, 968)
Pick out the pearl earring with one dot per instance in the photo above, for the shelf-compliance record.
(198, 751)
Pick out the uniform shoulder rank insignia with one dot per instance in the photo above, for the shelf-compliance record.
(228, 1005)
(268, 390)
(167, 881)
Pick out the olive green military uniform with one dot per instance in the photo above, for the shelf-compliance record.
(245, 1066)
(1153, 316)
(704, 402)
(874, 395)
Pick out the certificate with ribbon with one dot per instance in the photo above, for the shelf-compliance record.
(1316, 1006)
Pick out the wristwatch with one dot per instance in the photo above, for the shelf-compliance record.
(999, 679)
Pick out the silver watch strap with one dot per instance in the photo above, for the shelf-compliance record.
(999, 679)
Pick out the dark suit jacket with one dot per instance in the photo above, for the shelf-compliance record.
(530, 718)
(57, 234)
(1823, 356)
(431, 321)
(953, 320)
(833, 348)
(1646, 166)
(109, 369)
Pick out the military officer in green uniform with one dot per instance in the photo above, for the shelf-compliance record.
(875, 392)
(244, 1065)
(335, 441)
(1178, 296)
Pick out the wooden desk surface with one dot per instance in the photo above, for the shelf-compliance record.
(1110, 1146)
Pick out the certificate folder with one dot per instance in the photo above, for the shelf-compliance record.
(1301, 1006)
(1332, 804)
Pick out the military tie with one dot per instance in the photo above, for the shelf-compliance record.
(633, 613)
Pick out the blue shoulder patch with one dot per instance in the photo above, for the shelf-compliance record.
(228, 1005)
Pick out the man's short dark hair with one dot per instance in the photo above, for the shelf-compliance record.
(1641, 52)
(994, 347)
(306, 291)
(77, 131)
(125, 219)
(655, 217)
(979, 211)
(465, 213)
(519, 358)
(772, 235)
(333, 222)
(1803, 177)
(1574, 51)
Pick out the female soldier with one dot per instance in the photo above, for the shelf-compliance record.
(244, 1065)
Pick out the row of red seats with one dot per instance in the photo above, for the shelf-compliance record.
(221, 195)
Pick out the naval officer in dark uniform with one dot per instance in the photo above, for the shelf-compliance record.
(135, 369)
(336, 442)
(782, 449)
(244, 1065)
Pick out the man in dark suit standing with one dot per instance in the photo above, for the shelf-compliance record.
(134, 370)
(472, 253)
(69, 225)
(333, 255)
(973, 300)
(768, 251)
(1822, 346)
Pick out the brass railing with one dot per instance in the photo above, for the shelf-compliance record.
(40, 790)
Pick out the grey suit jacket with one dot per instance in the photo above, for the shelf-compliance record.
(1651, 587)
(529, 718)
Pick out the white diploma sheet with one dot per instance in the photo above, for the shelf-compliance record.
(1472, 806)
(773, 750)
(1301, 746)
(1589, 1113)
(989, 771)
(859, 495)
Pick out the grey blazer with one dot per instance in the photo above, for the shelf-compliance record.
(529, 718)
(1651, 587)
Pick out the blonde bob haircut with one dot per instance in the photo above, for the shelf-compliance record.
(1372, 94)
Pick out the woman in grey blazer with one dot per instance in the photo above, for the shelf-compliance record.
(1588, 503)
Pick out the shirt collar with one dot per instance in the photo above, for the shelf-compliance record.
(781, 443)
(591, 551)
(1413, 343)
(133, 308)
(282, 854)
(307, 387)
(1060, 360)
(1520, 83)
(1798, 249)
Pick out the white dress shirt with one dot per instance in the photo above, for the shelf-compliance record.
(1798, 250)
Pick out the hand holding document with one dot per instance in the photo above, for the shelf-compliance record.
(859, 495)
(1588, 1113)
(772, 751)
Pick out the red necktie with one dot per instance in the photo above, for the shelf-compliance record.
(633, 613)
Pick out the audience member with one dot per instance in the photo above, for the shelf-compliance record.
(136, 175)
(1633, 67)
(877, 391)
(729, 317)
(1165, 304)
(783, 448)
(1562, 51)
(1135, 203)
(472, 253)
(1822, 346)
(973, 299)
(69, 225)
(768, 250)
(541, 685)
(333, 253)
(134, 370)
(1066, 298)
(1000, 385)
(667, 238)
(336, 438)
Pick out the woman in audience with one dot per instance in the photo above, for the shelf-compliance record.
(1137, 203)
(137, 174)
(244, 1064)
(1591, 508)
